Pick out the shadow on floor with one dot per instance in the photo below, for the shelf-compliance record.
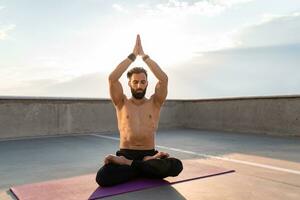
(162, 192)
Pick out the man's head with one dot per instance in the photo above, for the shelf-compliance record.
(137, 82)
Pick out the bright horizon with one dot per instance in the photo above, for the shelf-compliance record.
(209, 49)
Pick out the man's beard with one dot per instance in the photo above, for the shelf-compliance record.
(138, 94)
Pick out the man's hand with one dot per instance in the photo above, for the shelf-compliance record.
(136, 46)
(138, 49)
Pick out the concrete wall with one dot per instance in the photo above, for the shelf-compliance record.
(33, 116)
(38, 116)
(277, 115)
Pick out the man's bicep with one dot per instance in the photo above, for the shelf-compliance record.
(161, 91)
(116, 92)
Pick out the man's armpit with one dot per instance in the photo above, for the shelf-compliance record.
(121, 102)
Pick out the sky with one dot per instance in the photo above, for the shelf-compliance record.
(208, 48)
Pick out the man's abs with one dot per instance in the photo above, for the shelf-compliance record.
(141, 141)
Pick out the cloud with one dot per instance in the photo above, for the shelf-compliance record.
(4, 31)
(88, 85)
(272, 30)
(33, 87)
(258, 71)
(120, 8)
(205, 8)
(85, 85)
(28, 79)
(2, 7)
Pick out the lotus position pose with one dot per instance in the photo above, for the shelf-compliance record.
(137, 122)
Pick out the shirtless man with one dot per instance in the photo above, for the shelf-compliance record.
(137, 122)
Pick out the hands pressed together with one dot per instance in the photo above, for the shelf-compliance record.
(138, 49)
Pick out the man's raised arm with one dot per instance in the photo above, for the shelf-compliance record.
(115, 87)
(161, 88)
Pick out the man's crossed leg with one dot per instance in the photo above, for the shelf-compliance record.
(129, 164)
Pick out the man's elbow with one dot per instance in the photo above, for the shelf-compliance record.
(111, 78)
(164, 79)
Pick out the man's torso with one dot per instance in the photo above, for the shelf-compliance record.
(138, 124)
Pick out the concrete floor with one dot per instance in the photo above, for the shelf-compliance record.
(267, 167)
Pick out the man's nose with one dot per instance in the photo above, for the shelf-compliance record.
(140, 86)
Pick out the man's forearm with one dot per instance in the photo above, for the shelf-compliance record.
(156, 70)
(120, 69)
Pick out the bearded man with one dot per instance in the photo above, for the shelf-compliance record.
(138, 119)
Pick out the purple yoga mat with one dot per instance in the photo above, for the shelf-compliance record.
(191, 171)
(85, 187)
(137, 184)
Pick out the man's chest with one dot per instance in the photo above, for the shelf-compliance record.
(139, 113)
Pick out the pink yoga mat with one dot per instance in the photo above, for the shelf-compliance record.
(85, 187)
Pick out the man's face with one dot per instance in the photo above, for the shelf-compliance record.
(138, 84)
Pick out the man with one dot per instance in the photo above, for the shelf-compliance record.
(137, 122)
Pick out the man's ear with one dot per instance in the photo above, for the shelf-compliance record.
(129, 83)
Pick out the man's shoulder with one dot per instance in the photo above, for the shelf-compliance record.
(154, 102)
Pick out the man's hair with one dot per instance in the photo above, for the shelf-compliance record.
(136, 70)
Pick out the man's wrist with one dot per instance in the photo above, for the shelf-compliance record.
(132, 57)
(145, 57)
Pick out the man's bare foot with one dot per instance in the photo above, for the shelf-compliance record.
(159, 155)
(121, 160)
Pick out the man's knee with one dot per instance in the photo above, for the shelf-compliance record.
(103, 177)
(176, 166)
(164, 167)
